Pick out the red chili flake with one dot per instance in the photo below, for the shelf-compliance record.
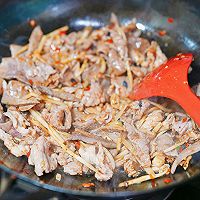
(32, 23)
(98, 37)
(21, 59)
(170, 20)
(184, 120)
(187, 145)
(100, 75)
(87, 185)
(57, 49)
(30, 81)
(180, 150)
(62, 32)
(28, 154)
(162, 32)
(153, 183)
(77, 145)
(167, 180)
(109, 40)
(57, 62)
(87, 88)
(111, 25)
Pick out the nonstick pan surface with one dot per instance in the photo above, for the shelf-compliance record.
(183, 35)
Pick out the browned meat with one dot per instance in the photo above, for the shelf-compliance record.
(92, 139)
(28, 72)
(152, 120)
(34, 39)
(61, 94)
(140, 143)
(41, 157)
(121, 85)
(164, 142)
(193, 148)
(135, 111)
(87, 125)
(115, 63)
(14, 92)
(137, 48)
(58, 116)
(94, 96)
(65, 101)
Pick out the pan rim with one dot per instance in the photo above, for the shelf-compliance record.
(117, 194)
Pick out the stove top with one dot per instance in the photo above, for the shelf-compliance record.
(12, 188)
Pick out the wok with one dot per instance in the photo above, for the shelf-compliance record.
(182, 36)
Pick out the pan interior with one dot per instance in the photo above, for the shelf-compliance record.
(152, 15)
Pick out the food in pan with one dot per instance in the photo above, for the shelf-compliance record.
(65, 103)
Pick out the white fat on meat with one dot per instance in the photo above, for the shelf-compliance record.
(41, 157)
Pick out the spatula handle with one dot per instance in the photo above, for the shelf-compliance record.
(190, 103)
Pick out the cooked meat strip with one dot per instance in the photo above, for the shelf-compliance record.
(59, 94)
(41, 157)
(58, 116)
(14, 49)
(140, 143)
(95, 154)
(16, 148)
(92, 139)
(94, 96)
(14, 92)
(34, 39)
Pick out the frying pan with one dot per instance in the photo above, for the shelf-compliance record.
(183, 35)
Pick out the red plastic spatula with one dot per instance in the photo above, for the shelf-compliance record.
(170, 80)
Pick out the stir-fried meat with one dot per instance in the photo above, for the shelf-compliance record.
(121, 85)
(41, 157)
(70, 165)
(152, 120)
(164, 142)
(182, 124)
(94, 96)
(34, 39)
(65, 101)
(14, 49)
(25, 70)
(115, 63)
(131, 166)
(193, 148)
(14, 92)
(58, 116)
(135, 111)
(16, 148)
(92, 139)
(61, 94)
(141, 145)
(95, 154)
(19, 121)
(137, 48)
